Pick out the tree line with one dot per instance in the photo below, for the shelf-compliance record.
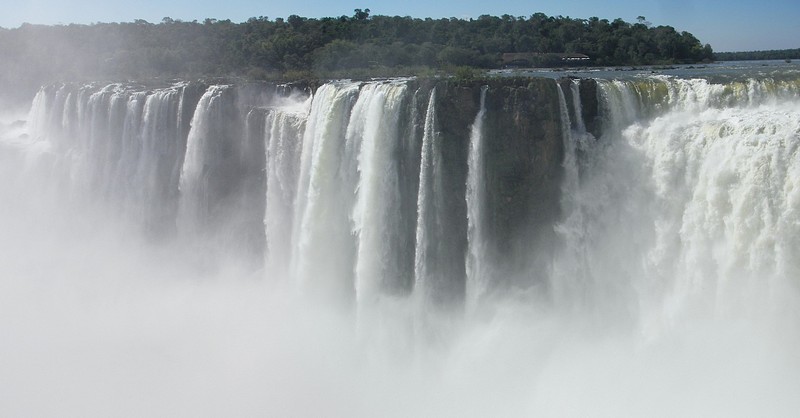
(777, 54)
(300, 47)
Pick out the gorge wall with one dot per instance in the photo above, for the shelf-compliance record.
(219, 162)
(355, 191)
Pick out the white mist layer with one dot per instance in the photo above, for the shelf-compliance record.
(675, 293)
(116, 328)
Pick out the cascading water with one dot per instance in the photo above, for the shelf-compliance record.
(157, 157)
(724, 185)
(666, 283)
(204, 152)
(374, 123)
(325, 249)
(568, 274)
(284, 126)
(477, 274)
(425, 205)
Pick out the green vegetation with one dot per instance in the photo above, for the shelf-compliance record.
(299, 47)
(778, 54)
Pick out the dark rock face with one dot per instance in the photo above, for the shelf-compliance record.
(587, 95)
(590, 106)
(456, 108)
(524, 151)
(408, 157)
(522, 170)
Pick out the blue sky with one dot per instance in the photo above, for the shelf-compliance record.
(731, 25)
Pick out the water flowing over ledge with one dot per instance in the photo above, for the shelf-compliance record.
(640, 207)
(239, 164)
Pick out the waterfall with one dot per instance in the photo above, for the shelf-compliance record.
(568, 275)
(284, 127)
(424, 228)
(348, 192)
(38, 114)
(324, 248)
(727, 209)
(203, 150)
(693, 204)
(574, 88)
(506, 249)
(155, 185)
(374, 123)
(130, 153)
(477, 271)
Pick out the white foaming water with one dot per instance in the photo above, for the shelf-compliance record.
(204, 149)
(673, 291)
(725, 183)
(283, 127)
(374, 123)
(324, 252)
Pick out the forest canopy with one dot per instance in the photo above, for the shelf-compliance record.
(300, 47)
